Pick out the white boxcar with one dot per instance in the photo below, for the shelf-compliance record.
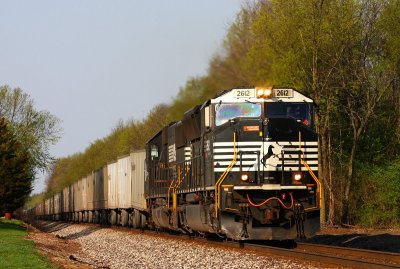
(77, 196)
(124, 182)
(58, 205)
(100, 188)
(112, 179)
(138, 174)
(68, 202)
(68, 199)
(47, 204)
(39, 209)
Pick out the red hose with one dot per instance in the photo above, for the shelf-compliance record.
(270, 199)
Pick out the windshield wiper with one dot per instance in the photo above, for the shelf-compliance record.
(248, 101)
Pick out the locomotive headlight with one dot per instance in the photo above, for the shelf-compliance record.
(267, 92)
(260, 92)
(297, 176)
(244, 177)
(263, 92)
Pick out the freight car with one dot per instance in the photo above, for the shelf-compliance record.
(243, 165)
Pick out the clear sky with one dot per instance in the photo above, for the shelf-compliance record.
(92, 63)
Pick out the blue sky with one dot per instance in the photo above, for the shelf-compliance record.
(92, 63)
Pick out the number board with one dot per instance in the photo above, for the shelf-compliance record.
(283, 93)
(244, 93)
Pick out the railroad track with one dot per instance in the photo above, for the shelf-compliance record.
(323, 254)
(348, 257)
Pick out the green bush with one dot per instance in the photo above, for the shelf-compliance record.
(381, 202)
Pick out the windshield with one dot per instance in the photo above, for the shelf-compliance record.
(225, 112)
(298, 111)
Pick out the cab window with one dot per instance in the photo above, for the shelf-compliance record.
(225, 112)
(298, 111)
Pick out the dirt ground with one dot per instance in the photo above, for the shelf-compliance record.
(62, 253)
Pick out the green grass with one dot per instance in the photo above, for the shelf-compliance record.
(15, 250)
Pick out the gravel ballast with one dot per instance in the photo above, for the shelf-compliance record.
(110, 248)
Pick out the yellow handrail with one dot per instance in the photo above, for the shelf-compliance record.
(222, 178)
(174, 197)
(303, 161)
(169, 192)
(316, 180)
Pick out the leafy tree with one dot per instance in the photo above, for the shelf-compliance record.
(35, 130)
(333, 51)
(16, 173)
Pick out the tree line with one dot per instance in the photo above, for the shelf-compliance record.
(26, 135)
(344, 54)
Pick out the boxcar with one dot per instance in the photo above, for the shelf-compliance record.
(100, 195)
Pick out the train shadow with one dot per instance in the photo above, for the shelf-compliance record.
(379, 242)
(50, 226)
(82, 233)
(53, 226)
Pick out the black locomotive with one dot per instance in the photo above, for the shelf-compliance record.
(243, 165)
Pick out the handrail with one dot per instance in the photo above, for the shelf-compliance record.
(169, 192)
(178, 182)
(316, 180)
(222, 178)
(303, 161)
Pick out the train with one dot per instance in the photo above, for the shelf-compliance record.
(242, 166)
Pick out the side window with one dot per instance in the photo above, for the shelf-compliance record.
(154, 151)
(207, 116)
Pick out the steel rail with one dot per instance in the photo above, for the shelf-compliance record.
(372, 255)
(344, 256)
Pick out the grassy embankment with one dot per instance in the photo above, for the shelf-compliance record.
(15, 250)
